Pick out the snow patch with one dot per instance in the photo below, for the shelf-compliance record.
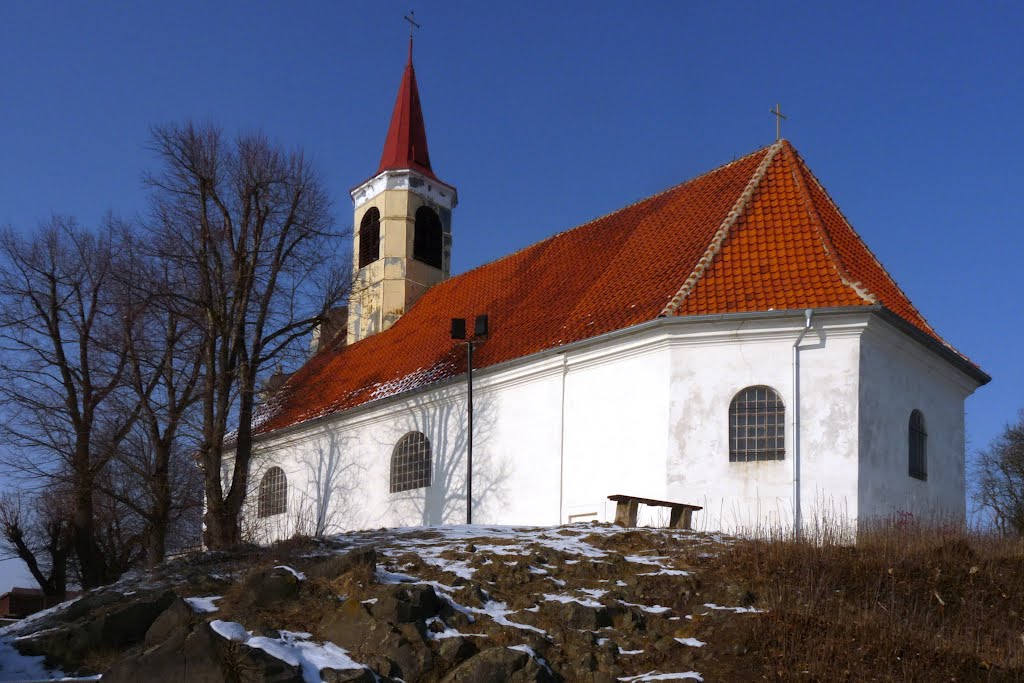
(293, 648)
(15, 666)
(691, 642)
(653, 676)
(564, 599)
(737, 610)
(203, 605)
(297, 574)
(656, 609)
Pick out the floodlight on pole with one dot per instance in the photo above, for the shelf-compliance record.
(480, 330)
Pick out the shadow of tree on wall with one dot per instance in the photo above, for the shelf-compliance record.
(327, 504)
(330, 502)
(445, 423)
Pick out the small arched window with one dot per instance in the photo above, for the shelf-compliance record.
(757, 425)
(410, 463)
(273, 493)
(427, 237)
(918, 446)
(369, 237)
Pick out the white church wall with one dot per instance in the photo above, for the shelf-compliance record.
(339, 470)
(899, 375)
(616, 415)
(710, 364)
(645, 412)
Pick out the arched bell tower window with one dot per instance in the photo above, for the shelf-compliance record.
(427, 237)
(757, 425)
(273, 498)
(918, 446)
(369, 237)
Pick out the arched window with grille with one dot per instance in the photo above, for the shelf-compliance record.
(757, 425)
(918, 446)
(369, 237)
(427, 237)
(410, 463)
(273, 499)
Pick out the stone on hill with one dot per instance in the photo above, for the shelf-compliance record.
(269, 586)
(406, 604)
(111, 627)
(499, 665)
(338, 565)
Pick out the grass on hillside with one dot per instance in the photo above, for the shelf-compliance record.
(906, 601)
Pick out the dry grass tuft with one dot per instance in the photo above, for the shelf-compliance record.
(907, 601)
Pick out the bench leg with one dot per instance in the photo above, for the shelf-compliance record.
(625, 512)
(681, 518)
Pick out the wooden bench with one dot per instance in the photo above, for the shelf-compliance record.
(626, 508)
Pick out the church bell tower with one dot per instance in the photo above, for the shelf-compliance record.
(403, 223)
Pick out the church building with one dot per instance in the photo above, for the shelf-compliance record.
(729, 343)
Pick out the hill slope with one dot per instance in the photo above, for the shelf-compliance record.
(587, 603)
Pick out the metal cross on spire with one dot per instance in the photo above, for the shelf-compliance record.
(778, 120)
(411, 18)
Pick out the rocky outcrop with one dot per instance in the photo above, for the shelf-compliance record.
(578, 606)
(499, 665)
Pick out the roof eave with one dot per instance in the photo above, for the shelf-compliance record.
(659, 322)
(946, 352)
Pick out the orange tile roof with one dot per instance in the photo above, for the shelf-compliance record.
(759, 233)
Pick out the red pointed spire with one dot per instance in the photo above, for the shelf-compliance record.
(406, 144)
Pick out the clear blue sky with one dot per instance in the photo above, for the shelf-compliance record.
(545, 115)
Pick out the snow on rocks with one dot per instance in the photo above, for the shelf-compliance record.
(299, 576)
(293, 648)
(439, 598)
(691, 642)
(652, 609)
(737, 610)
(203, 605)
(653, 676)
(533, 655)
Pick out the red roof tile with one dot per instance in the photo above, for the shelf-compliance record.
(756, 234)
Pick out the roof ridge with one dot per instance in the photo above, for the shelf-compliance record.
(845, 277)
(605, 215)
(723, 231)
(874, 258)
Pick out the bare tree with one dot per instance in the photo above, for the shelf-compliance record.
(250, 225)
(999, 474)
(63, 358)
(37, 530)
(155, 475)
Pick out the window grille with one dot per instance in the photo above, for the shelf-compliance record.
(410, 463)
(273, 498)
(918, 446)
(427, 237)
(757, 425)
(369, 237)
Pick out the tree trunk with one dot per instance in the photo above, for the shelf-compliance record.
(221, 526)
(90, 559)
(160, 514)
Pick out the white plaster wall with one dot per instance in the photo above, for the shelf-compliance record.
(709, 366)
(646, 413)
(616, 416)
(898, 375)
(338, 470)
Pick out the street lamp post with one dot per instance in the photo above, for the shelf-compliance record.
(479, 335)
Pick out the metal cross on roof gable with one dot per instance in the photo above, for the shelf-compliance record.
(778, 120)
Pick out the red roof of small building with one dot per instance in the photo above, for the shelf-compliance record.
(406, 144)
(757, 234)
